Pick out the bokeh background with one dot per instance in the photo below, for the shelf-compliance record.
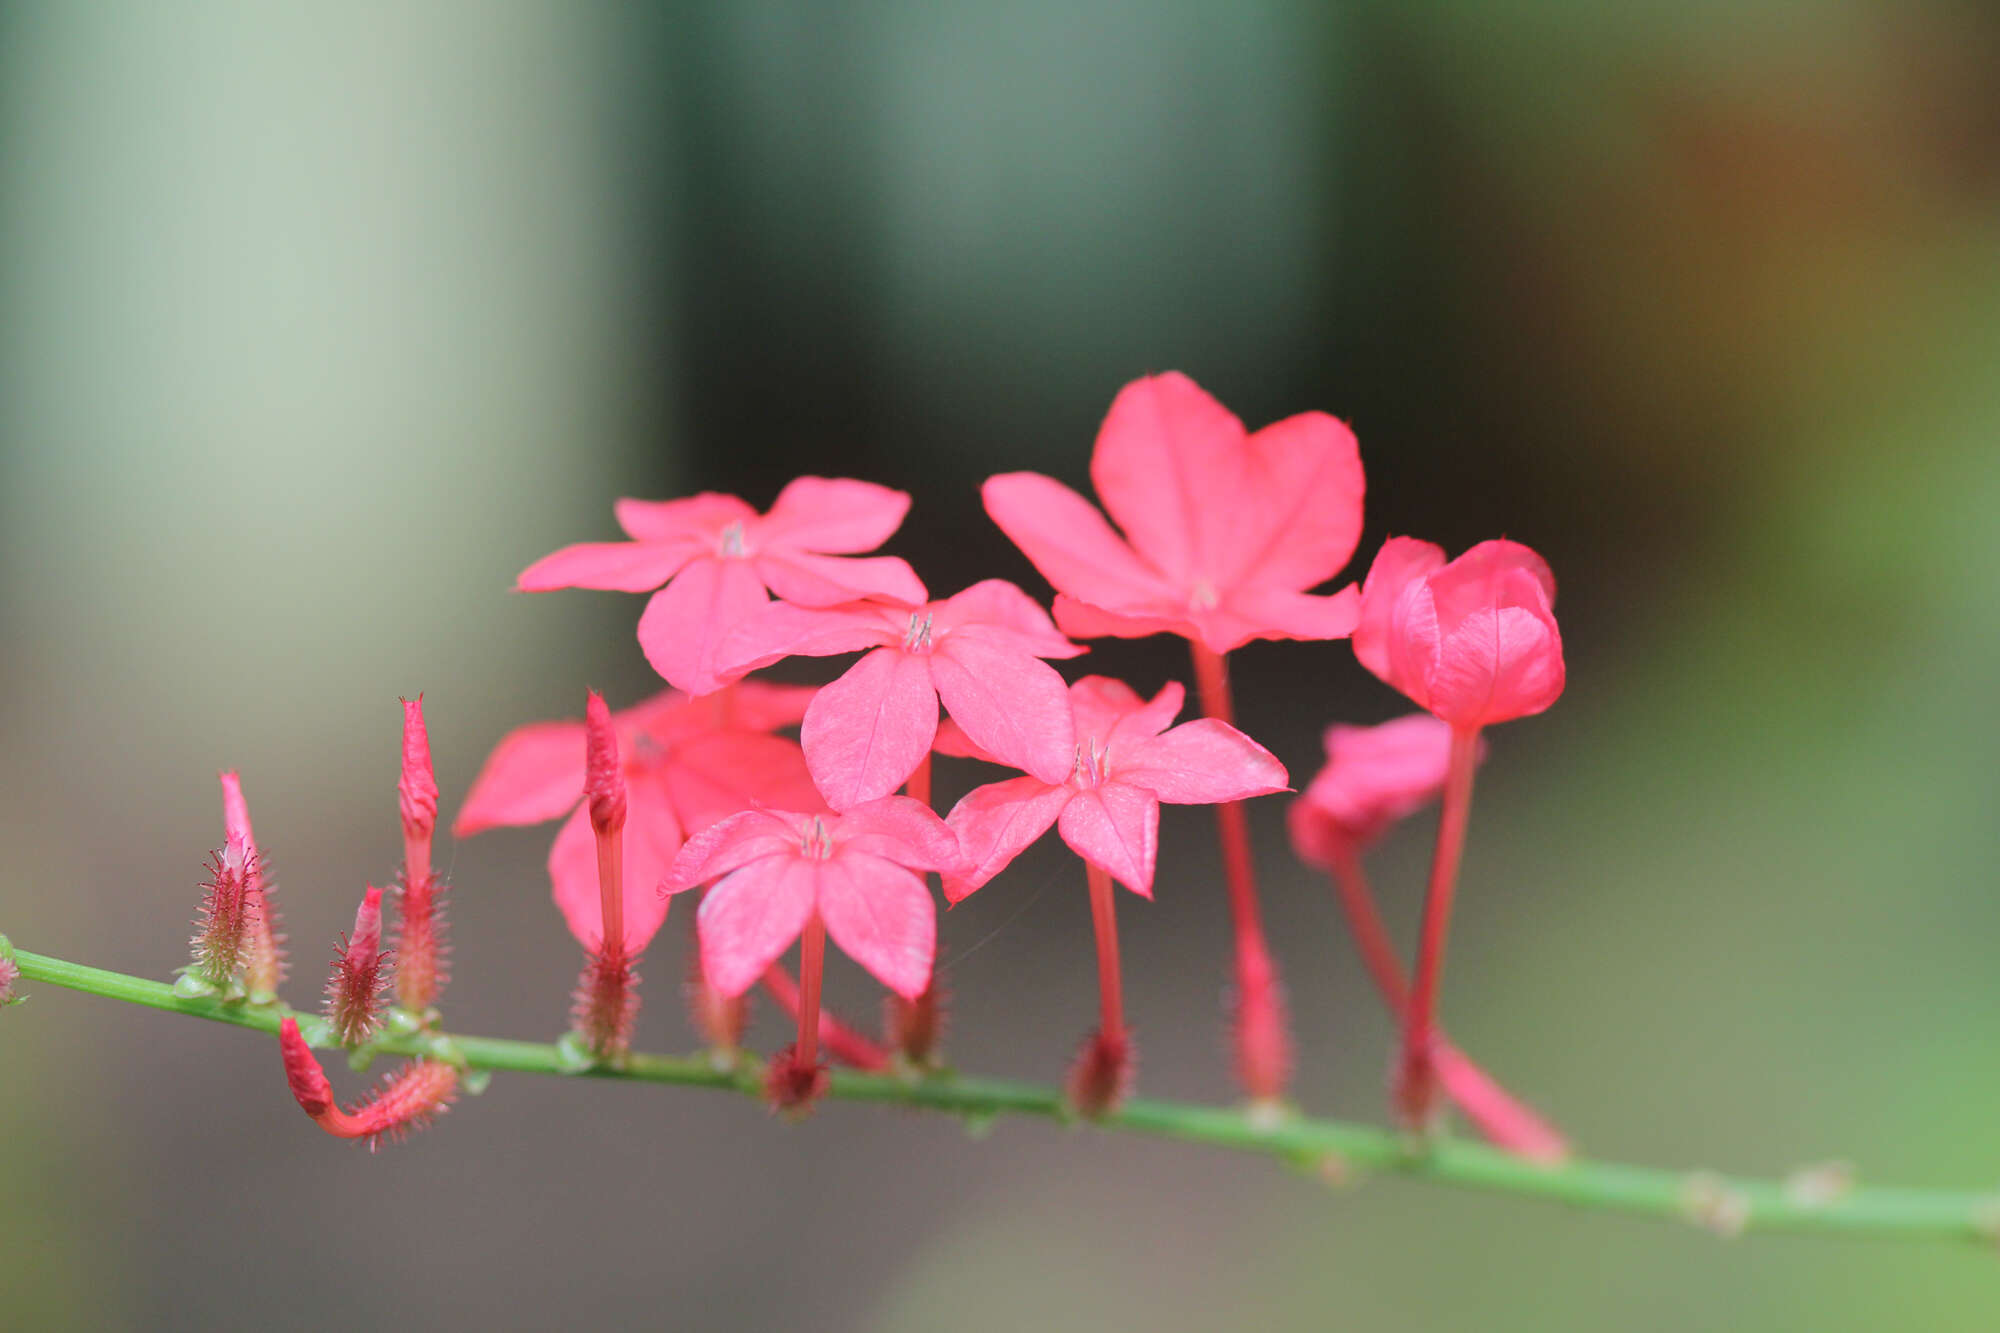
(318, 322)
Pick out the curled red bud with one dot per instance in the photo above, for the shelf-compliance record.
(354, 991)
(603, 778)
(1102, 1074)
(408, 1100)
(793, 1085)
(309, 1086)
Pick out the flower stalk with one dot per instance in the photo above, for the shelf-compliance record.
(1262, 1029)
(1416, 1076)
(607, 996)
(1101, 1075)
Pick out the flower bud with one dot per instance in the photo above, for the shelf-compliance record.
(408, 1100)
(354, 991)
(1473, 641)
(264, 949)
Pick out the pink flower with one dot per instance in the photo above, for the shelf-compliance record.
(1224, 531)
(719, 558)
(1107, 807)
(776, 871)
(976, 652)
(1473, 641)
(686, 762)
(1374, 777)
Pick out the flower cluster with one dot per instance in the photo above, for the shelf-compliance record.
(1223, 535)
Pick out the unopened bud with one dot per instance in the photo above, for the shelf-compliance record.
(603, 777)
(354, 991)
(408, 1100)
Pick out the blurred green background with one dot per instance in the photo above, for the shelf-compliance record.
(318, 322)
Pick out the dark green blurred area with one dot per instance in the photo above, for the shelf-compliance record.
(317, 324)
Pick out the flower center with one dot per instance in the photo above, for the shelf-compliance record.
(815, 843)
(1204, 596)
(917, 636)
(1093, 764)
(730, 544)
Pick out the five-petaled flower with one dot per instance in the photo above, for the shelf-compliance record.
(687, 763)
(858, 872)
(1224, 530)
(1125, 762)
(1473, 640)
(719, 558)
(978, 652)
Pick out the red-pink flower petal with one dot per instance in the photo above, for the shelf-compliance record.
(1278, 613)
(805, 579)
(652, 838)
(902, 830)
(608, 566)
(1498, 664)
(867, 731)
(1374, 777)
(1199, 763)
(1117, 829)
(1082, 620)
(761, 705)
(780, 630)
(996, 823)
(1000, 608)
(534, 774)
(1013, 706)
(1400, 563)
(1069, 541)
(1474, 641)
(687, 620)
(730, 844)
(882, 916)
(1169, 468)
(952, 741)
(752, 915)
(714, 776)
(833, 515)
(1306, 488)
(697, 516)
(1110, 711)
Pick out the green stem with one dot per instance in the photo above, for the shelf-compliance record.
(1325, 1145)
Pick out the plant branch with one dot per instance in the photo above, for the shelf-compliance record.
(1329, 1147)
